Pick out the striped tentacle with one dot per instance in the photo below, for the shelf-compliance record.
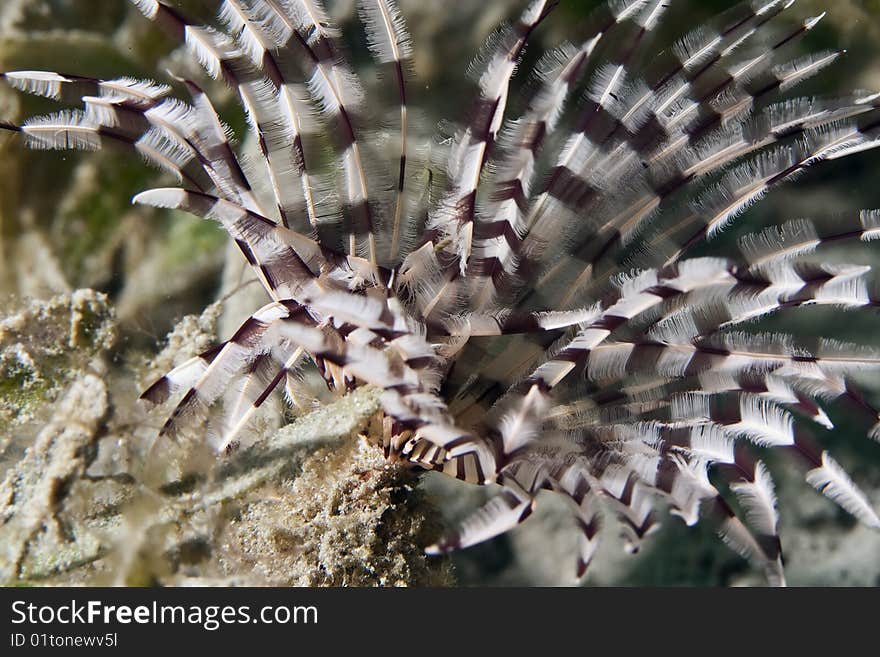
(79, 130)
(760, 365)
(668, 175)
(772, 370)
(499, 226)
(510, 322)
(578, 487)
(139, 95)
(339, 94)
(278, 265)
(690, 490)
(182, 376)
(695, 56)
(692, 109)
(390, 44)
(291, 263)
(195, 127)
(71, 88)
(729, 353)
(802, 236)
(644, 125)
(136, 113)
(766, 425)
(256, 385)
(734, 194)
(520, 482)
(584, 480)
(543, 216)
(774, 123)
(663, 402)
(747, 183)
(212, 49)
(782, 122)
(276, 108)
(632, 297)
(738, 415)
(455, 216)
(157, 128)
(207, 377)
(600, 109)
(697, 153)
(773, 388)
(498, 515)
(833, 482)
(605, 19)
(281, 123)
(635, 296)
(766, 291)
(223, 165)
(681, 475)
(622, 465)
(222, 58)
(450, 226)
(770, 286)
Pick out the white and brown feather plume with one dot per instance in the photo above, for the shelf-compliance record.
(541, 324)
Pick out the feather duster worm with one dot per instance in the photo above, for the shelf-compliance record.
(540, 323)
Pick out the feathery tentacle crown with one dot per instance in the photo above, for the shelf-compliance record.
(535, 320)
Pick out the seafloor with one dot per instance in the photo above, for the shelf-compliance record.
(98, 298)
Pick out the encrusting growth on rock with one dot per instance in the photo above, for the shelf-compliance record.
(349, 518)
(314, 503)
(538, 300)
